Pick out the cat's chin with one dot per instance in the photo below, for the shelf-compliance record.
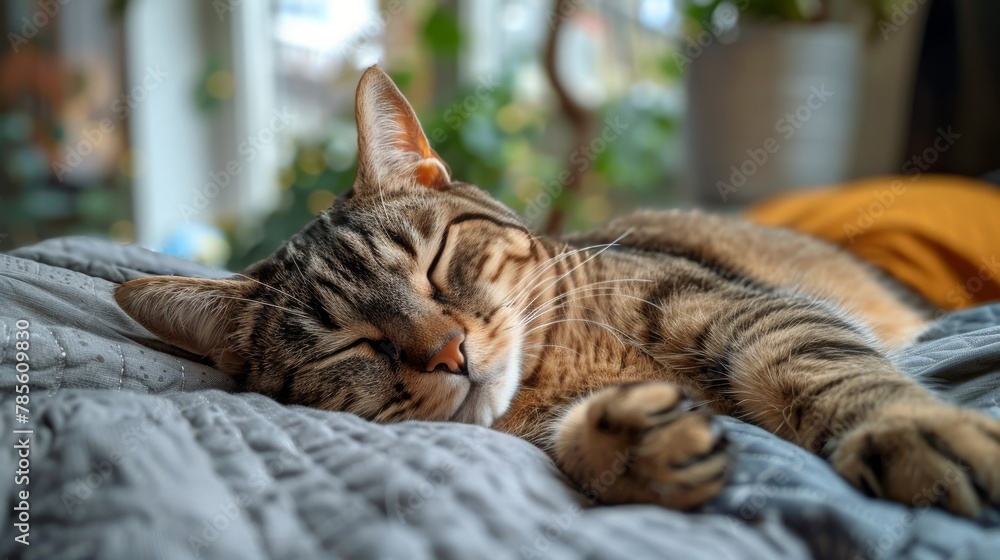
(489, 395)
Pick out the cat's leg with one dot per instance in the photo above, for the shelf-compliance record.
(642, 443)
(812, 376)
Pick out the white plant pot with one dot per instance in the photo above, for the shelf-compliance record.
(774, 110)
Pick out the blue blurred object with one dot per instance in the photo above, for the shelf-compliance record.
(200, 243)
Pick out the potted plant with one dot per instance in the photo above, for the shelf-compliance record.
(788, 94)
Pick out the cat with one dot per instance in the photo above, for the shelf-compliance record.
(416, 296)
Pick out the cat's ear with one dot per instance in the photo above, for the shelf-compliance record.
(393, 151)
(191, 313)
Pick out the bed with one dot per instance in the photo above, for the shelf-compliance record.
(140, 450)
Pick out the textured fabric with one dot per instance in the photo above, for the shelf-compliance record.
(81, 337)
(193, 469)
(939, 235)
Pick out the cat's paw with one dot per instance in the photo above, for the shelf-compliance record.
(644, 443)
(925, 454)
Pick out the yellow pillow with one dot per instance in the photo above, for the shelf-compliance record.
(938, 234)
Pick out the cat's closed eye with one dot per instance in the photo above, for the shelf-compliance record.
(388, 349)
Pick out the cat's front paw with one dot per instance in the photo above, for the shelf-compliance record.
(644, 443)
(925, 454)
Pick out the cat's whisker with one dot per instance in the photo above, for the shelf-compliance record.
(554, 306)
(587, 260)
(602, 288)
(589, 287)
(604, 282)
(545, 264)
(588, 296)
(285, 309)
(619, 335)
(271, 287)
(529, 282)
(553, 303)
(301, 274)
(522, 309)
(527, 276)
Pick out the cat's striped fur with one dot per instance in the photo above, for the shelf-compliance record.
(593, 347)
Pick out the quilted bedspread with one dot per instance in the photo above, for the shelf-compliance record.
(138, 450)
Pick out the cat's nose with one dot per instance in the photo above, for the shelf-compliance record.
(450, 356)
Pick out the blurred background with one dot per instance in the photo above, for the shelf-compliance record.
(215, 129)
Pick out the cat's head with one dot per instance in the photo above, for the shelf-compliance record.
(398, 302)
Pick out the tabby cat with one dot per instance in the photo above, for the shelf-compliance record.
(419, 297)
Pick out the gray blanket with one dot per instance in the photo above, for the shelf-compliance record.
(141, 451)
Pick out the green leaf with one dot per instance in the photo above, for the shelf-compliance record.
(442, 34)
(670, 67)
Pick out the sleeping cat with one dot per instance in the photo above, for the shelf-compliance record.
(416, 296)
